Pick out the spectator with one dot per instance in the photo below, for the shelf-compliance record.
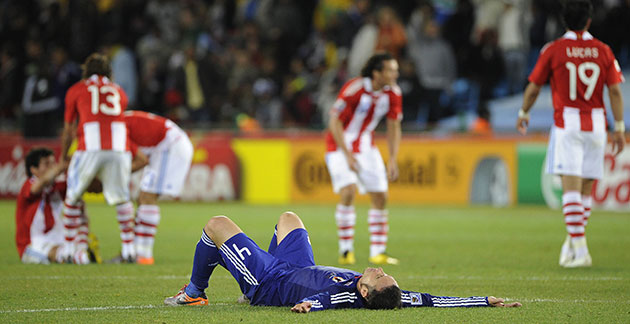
(10, 80)
(391, 33)
(435, 67)
(511, 41)
(486, 62)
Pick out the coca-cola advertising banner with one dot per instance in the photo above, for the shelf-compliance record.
(612, 192)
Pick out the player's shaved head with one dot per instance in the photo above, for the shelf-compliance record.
(576, 14)
(97, 64)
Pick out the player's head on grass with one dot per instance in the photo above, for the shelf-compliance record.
(576, 14)
(97, 64)
(38, 160)
(379, 289)
(382, 68)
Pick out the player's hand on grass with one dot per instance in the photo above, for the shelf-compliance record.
(500, 302)
(304, 307)
(618, 142)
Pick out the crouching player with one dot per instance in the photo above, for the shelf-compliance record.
(286, 274)
(170, 153)
(40, 232)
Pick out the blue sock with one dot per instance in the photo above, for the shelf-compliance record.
(274, 242)
(206, 259)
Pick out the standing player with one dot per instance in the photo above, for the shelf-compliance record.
(352, 159)
(39, 232)
(170, 154)
(97, 104)
(577, 66)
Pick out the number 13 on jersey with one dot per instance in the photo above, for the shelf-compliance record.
(112, 96)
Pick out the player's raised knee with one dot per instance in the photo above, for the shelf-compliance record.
(290, 219)
(216, 222)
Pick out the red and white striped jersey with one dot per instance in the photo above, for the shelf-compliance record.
(98, 103)
(577, 67)
(146, 129)
(360, 110)
(36, 214)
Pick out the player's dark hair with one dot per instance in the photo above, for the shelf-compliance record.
(97, 64)
(34, 156)
(375, 63)
(386, 298)
(575, 14)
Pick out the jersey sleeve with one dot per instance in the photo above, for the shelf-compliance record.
(347, 99)
(417, 299)
(26, 193)
(542, 70)
(614, 70)
(395, 105)
(70, 113)
(323, 301)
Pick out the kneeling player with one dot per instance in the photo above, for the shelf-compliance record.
(40, 232)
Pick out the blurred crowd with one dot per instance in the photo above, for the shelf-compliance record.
(272, 64)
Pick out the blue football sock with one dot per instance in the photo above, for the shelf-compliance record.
(193, 291)
(206, 259)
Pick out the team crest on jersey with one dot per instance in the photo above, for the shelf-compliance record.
(337, 279)
(416, 298)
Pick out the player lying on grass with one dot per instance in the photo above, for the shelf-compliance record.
(286, 274)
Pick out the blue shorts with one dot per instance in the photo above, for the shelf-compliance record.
(255, 269)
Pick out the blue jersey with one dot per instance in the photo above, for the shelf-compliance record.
(287, 275)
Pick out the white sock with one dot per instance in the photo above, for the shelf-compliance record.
(146, 227)
(125, 221)
(345, 217)
(377, 222)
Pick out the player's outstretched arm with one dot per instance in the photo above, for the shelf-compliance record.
(500, 302)
(303, 307)
(616, 105)
(529, 98)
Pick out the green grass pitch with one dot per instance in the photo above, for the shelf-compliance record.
(454, 251)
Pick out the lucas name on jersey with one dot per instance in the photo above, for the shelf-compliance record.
(582, 52)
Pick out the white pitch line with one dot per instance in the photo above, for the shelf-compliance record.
(573, 301)
(104, 277)
(88, 309)
(566, 278)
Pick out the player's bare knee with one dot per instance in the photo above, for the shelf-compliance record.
(216, 223)
(288, 222)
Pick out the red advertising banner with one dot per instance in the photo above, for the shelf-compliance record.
(13, 149)
(215, 173)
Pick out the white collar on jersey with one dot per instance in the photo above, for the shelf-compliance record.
(367, 84)
(94, 77)
(573, 35)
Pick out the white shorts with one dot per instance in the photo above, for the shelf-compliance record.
(37, 251)
(576, 153)
(111, 167)
(169, 162)
(371, 177)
